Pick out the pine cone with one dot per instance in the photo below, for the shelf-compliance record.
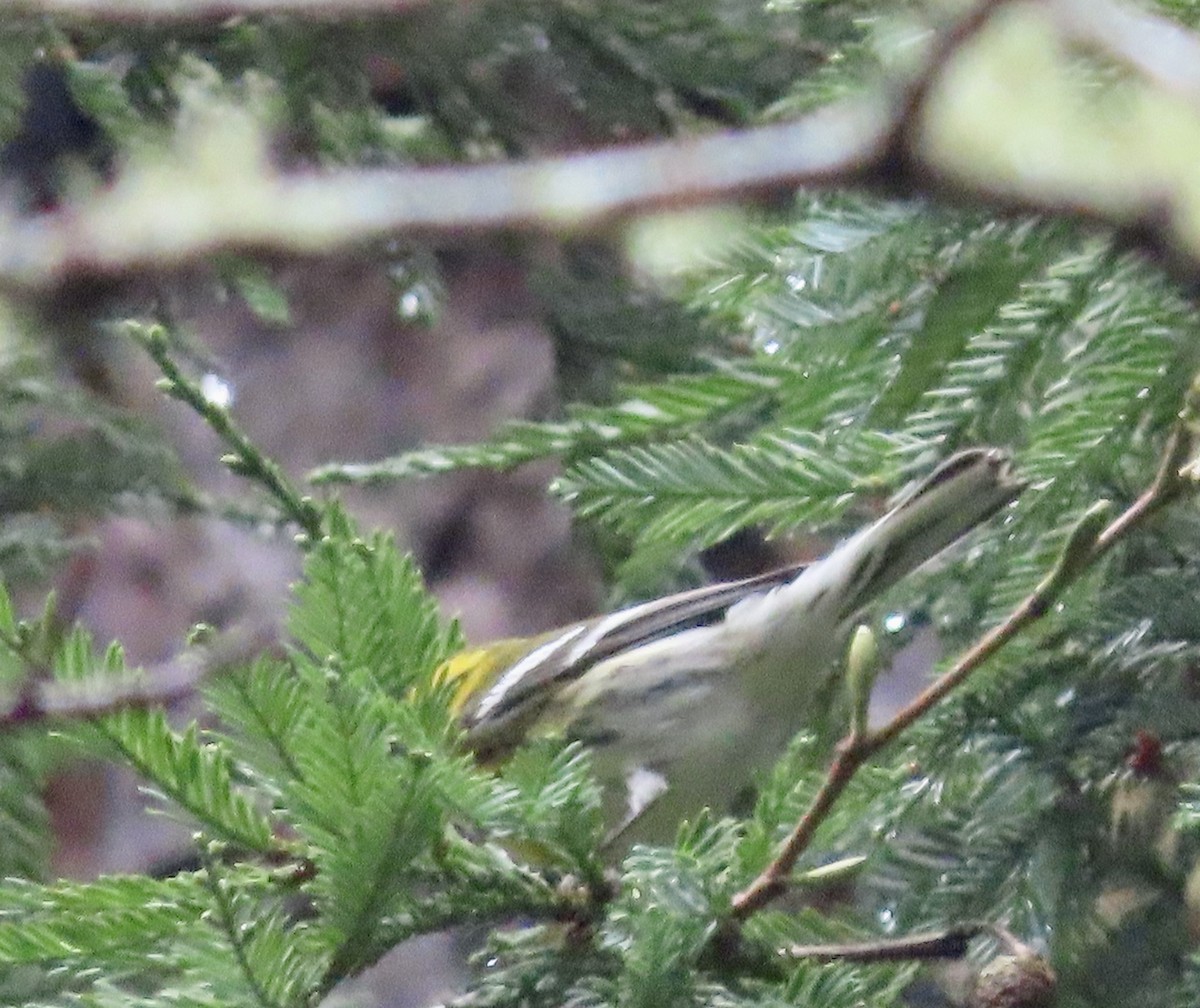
(1015, 981)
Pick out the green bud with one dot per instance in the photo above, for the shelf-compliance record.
(201, 633)
(1076, 553)
(831, 874)
(237, 464)
(862, 666)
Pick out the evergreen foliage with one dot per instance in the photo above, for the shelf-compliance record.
(822, 355)
(65, 454)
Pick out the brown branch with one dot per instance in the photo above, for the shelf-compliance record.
(948, 944)
(914, 98)
(309, 213)
(878, 143)
(183, 11)
(41, 698)
(1087, 544)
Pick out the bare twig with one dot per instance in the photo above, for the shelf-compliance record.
(950, 943)
(902, 143)
(309, 213)
(244, 457)
(878, 143)
(1092, 538)
(1156, 47)
(41, 698)
(171, 11)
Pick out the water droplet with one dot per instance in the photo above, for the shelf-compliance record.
(410, 304)
(216, 390)
(894, 622)
(771, 346)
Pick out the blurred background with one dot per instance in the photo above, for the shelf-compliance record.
(804, 339)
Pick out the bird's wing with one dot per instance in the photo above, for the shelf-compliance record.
(648, 621)
(519, 693)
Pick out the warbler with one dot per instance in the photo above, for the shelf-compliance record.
(684, 698)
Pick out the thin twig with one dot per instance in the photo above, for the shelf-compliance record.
(1087, 544)
(42, 698)
(902, 143)
(173, 11)
(305, 213)
(244, 458)
(877, 143)
(950, 943)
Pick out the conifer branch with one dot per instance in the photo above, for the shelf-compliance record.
(1090, 541)
(42, 698)
(244, 458)
(225, 919)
